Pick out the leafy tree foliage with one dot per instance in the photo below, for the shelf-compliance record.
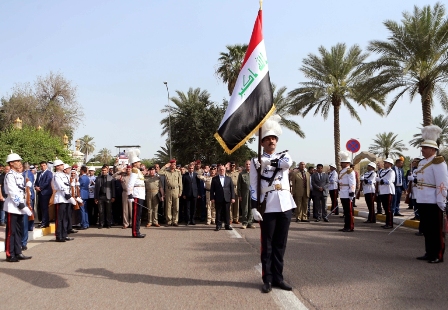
(229, 65)
(87, 146)
(32, 145)
(414, 59)
(442, 122)
(386, 145)
(194, 120)
(51, 104)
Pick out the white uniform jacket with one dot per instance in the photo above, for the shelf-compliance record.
(279, 198)
(388, 177)
(136, 184)
(432, 181)
(61, 184)
(15, 189)
(369, 186)
(347, 182)
(333, 179)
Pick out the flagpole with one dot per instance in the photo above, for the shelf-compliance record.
(261, 5)
(259, 171)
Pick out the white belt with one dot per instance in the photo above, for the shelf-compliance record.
(274, 187)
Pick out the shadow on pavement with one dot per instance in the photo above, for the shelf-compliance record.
(165, 281)
(40, 279)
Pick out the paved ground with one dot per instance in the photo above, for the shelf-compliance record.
(197, 268)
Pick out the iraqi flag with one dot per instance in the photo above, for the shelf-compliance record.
(251, 102)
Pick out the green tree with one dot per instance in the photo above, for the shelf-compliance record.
(194, 120)
(32, 145)
(104, 156)
(386, 145)
(229, 65)
(414, 59)
(163, 155)
(335, 79)
(87, 146)
(282, 105)
(442, 122)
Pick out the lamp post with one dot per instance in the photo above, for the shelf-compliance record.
(169, 114)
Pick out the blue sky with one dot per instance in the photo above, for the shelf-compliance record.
(118, 53)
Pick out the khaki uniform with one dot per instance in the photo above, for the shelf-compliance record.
(301, 192)
(234, 207)
(173, 188)
(243, 189)
(152, 187)
(211, 212)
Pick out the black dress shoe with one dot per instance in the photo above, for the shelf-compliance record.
(435, 261)
(24, 248)
(12, 259)
(229, 228)
(100, 227)
(343, 229)
(297, 220)
(387, 227)
(305, 221)
(193, 223)
(367, 221)
(424, 257)
(398, 214)
(326, 220)
(317, 220)
(140, 236)
(266, 288)
(60, 240)
(282, 285)
(72, 231)
(419, 234)
(23, 257)
(82, 228)
(218, 228)
(69, 239)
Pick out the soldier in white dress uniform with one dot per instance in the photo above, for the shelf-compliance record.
(276, 204)
(136, 192)
(347, 187)
(430, 190)
(333, 189)
(386, 191)
(368, 181)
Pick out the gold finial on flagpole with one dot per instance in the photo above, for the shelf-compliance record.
(261, 4)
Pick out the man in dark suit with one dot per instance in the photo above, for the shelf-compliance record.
(161, 201)
(190, 193)
(44, 192)
(400, 185)
(222, 193)
(320, 183)
(105, 196)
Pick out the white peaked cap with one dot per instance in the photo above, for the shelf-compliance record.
(333, 165)
(13, 157)
(57, 162)
(271, 127)
(133, 155)
(372, 164)
(430, 134)
(345, 158)
(389, 160)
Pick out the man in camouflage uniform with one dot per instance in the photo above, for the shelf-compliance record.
(173, 190)
(234, 207)
(243, 189)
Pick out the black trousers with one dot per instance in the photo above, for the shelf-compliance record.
(43, 202)
(222, 213)
(274, 235)
(136, 216)
(105, 211)
(69, 217)
(92, 211)
(320, 206)
(370, 201)
(431, 224)
(347, 205)
(379, 209)
(386, 201)
(334, 201)
(190, 208)
(13, 234)
(61, 220)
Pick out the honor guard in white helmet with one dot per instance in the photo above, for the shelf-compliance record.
(347, 187)
(386, 191)
(136, 191)
(368, 182)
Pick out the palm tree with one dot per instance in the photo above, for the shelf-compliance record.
(229, 65)
(415, 58)
(440, 121)
(87, 146)
(335, 79)
(385, 145)
(104, 156)
(163, 155)
(282, 109)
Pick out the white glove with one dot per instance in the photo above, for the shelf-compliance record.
(411, 178)
(29, 184)
(265, 162)
(256, 163)
(27, 211)
(361, 178)
(72, 201)
(256, 215)
(378, 179)
(442, 206)
(79, 199)
(73, 184)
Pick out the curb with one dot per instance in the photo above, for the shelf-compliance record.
(382, 218)
(34, 234)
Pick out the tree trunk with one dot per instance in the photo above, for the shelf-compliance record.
(426, 107)
(337, 135)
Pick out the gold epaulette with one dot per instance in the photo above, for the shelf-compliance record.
(134, 170)
(438, 160)
(349, 170)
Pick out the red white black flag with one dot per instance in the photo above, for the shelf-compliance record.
(251, 102)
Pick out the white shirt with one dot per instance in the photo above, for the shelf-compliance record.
(276, 200)
(388, 177)
(333, 179)
(221, 179)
